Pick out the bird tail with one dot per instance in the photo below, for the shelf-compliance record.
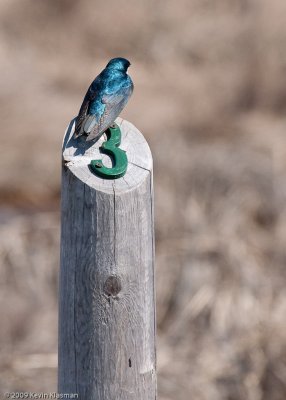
(81, 118)
(77, 133)
(86, 127)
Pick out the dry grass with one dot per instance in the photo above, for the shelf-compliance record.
(210, 98)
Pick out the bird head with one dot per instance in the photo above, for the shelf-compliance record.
(118, 63)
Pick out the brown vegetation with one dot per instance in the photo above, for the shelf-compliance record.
(210, 97)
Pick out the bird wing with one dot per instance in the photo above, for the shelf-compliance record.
(81, 117)
(114, 104)
(83, 112)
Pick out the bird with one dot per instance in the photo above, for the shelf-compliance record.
(104, 100)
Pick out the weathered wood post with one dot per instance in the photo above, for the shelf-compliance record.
(106, 291)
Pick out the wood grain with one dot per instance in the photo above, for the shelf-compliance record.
(106, 294)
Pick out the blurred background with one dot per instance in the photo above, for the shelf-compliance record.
(210, 98)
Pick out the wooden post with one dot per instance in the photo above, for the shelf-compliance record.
(106, 290)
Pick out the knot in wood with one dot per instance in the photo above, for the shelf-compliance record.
(112, 286)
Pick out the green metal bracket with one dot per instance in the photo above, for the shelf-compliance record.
(119, 158)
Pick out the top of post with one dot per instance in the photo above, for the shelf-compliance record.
(78, 154)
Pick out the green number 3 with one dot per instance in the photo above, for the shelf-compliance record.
(119, 158)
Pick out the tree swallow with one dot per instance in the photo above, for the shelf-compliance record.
(104, 100)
